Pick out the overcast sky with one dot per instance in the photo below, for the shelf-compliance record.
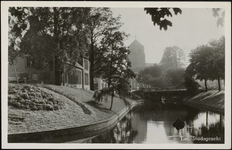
(192, 28)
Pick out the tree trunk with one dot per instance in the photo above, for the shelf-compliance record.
(16, 75)
(57, 66)
(219, 84)
(57, 72)
(112, 97)
(63, 79)
(91, 77)
(206, 88)
(91, 59)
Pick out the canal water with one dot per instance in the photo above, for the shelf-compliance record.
(155, 125)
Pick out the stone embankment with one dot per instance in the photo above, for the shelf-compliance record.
(213, 101)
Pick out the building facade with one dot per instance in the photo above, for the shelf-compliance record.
(75, 76)
(78, 76)
(99, 84)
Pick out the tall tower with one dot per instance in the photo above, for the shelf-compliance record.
(137, 56)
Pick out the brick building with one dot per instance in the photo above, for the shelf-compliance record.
(77, 77)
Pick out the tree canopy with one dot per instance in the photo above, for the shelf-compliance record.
(158, 77)
(173, 57)
(52, 36)
(169, 73)
(159, 15)
(207, 62)
(150, 75)
(99, 21)
(115, 64)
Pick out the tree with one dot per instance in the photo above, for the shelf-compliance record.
(176, 77)
(220, 14)
(115, 69)
(157, 76)
(199, 61)
(151, 76)
(55, 36)
(208, 62)
(217, 60)
(173, 58)
(16, 27)
(158, 16)
(99, 21)
(189, 81)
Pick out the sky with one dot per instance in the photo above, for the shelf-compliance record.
(195, 26)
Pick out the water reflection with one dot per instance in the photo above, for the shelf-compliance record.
(123, 132)
(149, 125)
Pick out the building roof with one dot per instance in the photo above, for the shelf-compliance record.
(136, 42)
(77, 65)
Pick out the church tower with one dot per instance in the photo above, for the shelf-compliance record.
(137, 56)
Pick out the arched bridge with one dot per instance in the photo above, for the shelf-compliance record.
(157, 95)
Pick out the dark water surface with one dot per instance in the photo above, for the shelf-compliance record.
(153, 125)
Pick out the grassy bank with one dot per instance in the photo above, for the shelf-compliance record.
(31, 114)
(210, 100)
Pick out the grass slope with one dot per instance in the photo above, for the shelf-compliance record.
(71, 115)
(76, 95)
(209, 98)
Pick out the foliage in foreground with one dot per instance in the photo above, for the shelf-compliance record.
(32, 98)
(160, 16)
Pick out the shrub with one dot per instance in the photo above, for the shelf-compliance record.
(49, 107)
(25, 96)
(32, 98)
(11, 97)
(56, 107)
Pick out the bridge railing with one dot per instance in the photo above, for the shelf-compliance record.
(169, 89)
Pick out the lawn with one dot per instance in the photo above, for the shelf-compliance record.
(210, 98)
(71, 114)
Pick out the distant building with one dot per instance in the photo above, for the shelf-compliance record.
(75, 76)
(137, 58)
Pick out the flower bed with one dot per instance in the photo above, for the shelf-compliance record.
(31, 97)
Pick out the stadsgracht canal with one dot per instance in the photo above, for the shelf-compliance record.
(152, 124)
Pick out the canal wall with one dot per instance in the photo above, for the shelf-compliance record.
(71, 134)
(213, 101)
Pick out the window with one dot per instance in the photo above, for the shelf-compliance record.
(86, 64)
(86, 79)
(75, 77)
